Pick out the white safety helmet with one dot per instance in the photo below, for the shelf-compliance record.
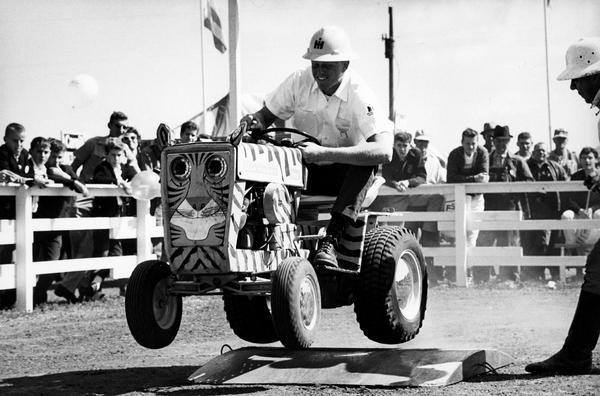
(329, 44)
(583, 59)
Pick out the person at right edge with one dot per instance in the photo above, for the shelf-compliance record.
(575, 357)
(331, 102)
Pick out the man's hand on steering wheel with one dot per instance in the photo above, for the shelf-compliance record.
(252, 122)
(311, 152)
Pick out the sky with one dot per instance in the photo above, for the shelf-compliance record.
(459, 63)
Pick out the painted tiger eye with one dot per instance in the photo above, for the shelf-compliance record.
(180, 168)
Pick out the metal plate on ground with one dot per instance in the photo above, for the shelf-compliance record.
(339, 366)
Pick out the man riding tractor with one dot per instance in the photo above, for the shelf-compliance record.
(331, 102)
(236, 222)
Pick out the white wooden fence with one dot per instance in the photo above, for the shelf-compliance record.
(143, 227)
(20, 232)
(461, 220)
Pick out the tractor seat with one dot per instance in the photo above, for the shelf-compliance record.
(311, 205)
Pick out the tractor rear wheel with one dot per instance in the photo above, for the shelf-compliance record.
(392, 288)
(250, 318)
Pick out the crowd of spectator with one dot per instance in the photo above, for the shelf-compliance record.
(113, 159)
(489, 160)
(119, 156)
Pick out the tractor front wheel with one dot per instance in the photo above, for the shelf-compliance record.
(296, 303)
(153, 315)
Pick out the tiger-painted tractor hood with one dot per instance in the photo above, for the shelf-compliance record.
(203, 187)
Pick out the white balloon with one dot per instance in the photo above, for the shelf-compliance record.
(83, 89)
(145, 185)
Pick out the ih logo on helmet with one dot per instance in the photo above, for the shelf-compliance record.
(319, 43)
(369, 110)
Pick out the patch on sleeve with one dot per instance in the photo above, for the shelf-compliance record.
(369, 110)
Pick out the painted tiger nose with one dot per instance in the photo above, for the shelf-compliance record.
(198, 203)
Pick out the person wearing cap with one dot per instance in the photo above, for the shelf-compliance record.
(575, 356)
(524, 142)
(488, 136)
(546, 205)
(565, 157)
(504, 167)
(331, 102)
(436, 173)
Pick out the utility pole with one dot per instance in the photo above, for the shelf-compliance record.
(389, 54)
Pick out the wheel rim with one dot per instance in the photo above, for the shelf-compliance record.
(408, 283)
(308, 302)
(164, 305)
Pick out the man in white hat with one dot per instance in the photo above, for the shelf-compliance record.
(565, 157)
(436, 173)
(331, 102)
(575, 357)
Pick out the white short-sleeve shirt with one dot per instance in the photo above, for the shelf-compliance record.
(347, 118)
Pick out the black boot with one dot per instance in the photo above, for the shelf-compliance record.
(575, 357)
(326, 254)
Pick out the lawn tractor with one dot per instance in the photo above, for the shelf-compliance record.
(237, 225)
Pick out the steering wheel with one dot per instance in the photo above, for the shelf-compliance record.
(263, 135)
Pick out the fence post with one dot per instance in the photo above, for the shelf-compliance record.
(24, 277)
(144, 222)
(460, 230)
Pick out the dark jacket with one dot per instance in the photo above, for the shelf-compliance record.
(513, 168)
(545, 205)
(18, 166)
(576, 200)
(106, 206)
(457, 173)
(57, 206)
(8, 161)
(411, 169)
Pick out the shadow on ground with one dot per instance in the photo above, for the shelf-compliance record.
(499, 377)
(150, 380)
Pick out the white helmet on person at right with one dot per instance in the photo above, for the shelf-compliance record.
(583, 59)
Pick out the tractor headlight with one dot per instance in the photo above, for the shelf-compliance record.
(181, 168)
(215, 167)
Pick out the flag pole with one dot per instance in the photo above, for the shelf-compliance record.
(202, 66)
(544, 2)
(234, 64)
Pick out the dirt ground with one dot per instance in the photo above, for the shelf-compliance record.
(79, 349)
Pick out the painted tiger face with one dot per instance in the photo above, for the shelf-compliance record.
(197, 195)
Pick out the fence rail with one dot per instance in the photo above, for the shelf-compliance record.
(142, 228)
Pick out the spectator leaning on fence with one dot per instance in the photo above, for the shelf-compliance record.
(469, 163)
(575, 357)
(561, 154)
(87, 157)
(49, 245)
(14, 167)
(504, 167)
(524, 143)
(544, 205)
(436, 173)
(109, 171)
(583, 205)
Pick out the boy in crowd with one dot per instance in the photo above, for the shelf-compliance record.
(14, 168)
(109, 171)
(49, 245)
(189, 132)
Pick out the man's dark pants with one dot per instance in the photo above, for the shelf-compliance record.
(349, 183)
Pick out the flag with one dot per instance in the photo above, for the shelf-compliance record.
(213, 23)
